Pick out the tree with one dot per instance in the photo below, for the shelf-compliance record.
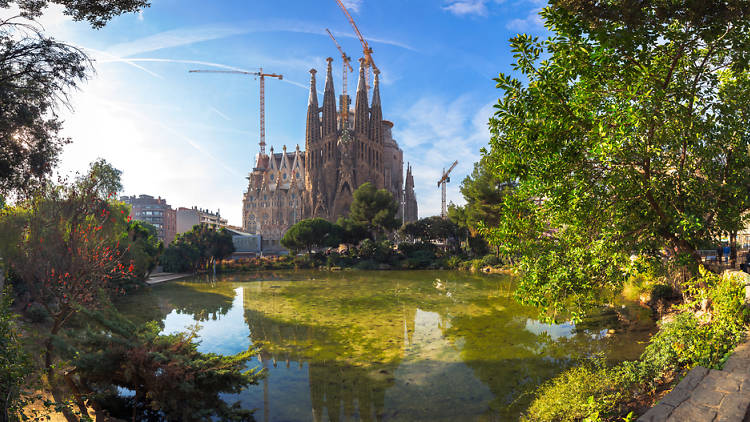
(310, 233)
(64, 252)
(96, 12)
(474, 241)
(37, 74)
(170, 378)
(374, 208)
(15, 363)
(483, 190)
(627, 133)
(197, 249)
(144, 247)
(106, 178)
(351, 232)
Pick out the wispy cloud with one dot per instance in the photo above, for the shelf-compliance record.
(469, 7)
(435, 132)
(352, 5)
(196, 34)
(175, 38)
(532, 22)
(220, 114)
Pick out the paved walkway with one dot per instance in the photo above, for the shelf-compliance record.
(708, 394)
(162, 277)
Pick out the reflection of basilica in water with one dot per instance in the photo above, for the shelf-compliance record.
(388, 349)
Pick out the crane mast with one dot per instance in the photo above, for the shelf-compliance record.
(344, 97)
(262, 97)
(366, 49)
(444, 182)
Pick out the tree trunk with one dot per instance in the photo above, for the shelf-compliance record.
(49, 347)
(733, 248)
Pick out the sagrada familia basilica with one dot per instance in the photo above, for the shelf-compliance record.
(343, 150)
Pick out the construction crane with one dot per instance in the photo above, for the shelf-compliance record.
(344, 97)
(262, 97)
(444, 181)
(367, 50)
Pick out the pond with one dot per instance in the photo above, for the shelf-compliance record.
(386, 345)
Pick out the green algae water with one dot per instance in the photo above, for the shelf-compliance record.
(388, 345)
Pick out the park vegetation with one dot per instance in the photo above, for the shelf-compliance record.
(197, 249)
(625, 134)
(68, 251)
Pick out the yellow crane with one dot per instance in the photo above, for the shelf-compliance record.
(344, 97)
(444, 181)
(367, 50)
(262, 97)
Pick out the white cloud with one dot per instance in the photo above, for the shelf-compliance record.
(469, 7)
(530, 23)
(155, 157)
(435, 133)
(174, 38)
(352, 5)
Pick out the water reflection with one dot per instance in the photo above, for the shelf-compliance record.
(388, 345)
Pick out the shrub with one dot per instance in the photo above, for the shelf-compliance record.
(36, 313)
(696, 336)
(453, 262)
(367, 264)
(15, 363)
(588, 391)
(490, 260)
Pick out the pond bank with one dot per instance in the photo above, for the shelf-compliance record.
(162, 277)
(709, 394)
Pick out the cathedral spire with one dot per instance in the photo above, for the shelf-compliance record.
(361, 108)
(312, 134)
(376, 113)
(329, 103)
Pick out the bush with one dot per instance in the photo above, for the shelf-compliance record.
(453, 262)
(37, 313)
(490, 260)
(15, 363)
(696, 336)
(588, 391)
(367, 264)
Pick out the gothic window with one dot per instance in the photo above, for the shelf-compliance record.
(284, 176)
(265, 197)
(296, 175)
(273, 177)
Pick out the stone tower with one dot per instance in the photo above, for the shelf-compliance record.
(339, 159)
(410, 198)
(320, 181)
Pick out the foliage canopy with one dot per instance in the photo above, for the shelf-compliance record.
(627, 132)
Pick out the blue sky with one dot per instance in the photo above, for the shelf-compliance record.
(191, 138)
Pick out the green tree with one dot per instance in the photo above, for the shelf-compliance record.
(167, 373)
(475, 242)
(37, 74)
(310, 233)
(351, 232)
(197, 249)
(374, 208)
(106, 178)
(627, 132)
(96, 12)
(483, 191)
(15, 363)
(144, 248)
(64, 252)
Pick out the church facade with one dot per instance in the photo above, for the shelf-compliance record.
(343, 150)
